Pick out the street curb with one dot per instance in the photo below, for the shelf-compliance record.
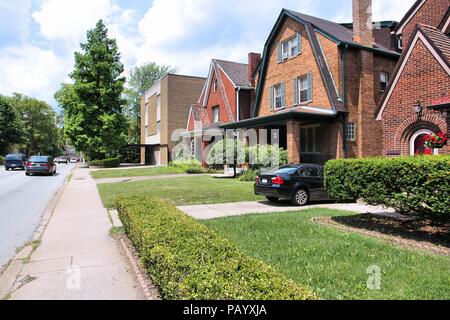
(11, 272)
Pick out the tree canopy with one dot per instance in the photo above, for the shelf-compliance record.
(11, 126)
(93, 105)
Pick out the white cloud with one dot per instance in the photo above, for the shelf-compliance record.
(68, 19)
(30, 70)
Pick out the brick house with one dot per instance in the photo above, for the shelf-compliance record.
(319, 83)
(418, 95)
(163, 110)
(226, 97)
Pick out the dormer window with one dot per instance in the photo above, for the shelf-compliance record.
(289, 48)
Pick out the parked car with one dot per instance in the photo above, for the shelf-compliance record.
(40, 164)
(15, 161)
(300, 183)
(73, 160)
(62, 159)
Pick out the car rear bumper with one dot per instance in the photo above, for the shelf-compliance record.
(271, 191)
(38, 169)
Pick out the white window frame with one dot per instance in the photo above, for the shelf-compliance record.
(293, 43)
(214, 120)
(386, 75)
(350, 131)
(280, 97)
(300, 89)
(288, 45)
(215, 85)
(400, 42)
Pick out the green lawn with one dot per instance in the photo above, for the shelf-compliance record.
(184, 190)
(138, 172)
(334, 263)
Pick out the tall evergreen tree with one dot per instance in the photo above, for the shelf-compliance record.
(11, 129)
(94, 110)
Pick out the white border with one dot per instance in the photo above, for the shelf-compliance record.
(412, 142)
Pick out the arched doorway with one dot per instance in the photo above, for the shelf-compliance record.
(417, 144)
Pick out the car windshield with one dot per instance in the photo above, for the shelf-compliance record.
(284, 170)
(39, 159)
(13, 157)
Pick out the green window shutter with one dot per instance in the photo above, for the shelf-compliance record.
(283, 96)
(310, 86)
(299, 42)
(280, 58)
(296, 92)
(271, 98)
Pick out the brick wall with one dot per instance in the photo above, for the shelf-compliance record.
(422, 79)
(431, 13)
(292, 68)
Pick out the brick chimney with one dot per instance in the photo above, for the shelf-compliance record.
(253, 63)
(362, 22)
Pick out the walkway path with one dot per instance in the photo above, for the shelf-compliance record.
(204, 212)
(77, 258)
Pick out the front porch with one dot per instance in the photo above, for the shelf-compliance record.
(308, 137)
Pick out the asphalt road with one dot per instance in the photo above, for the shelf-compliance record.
(23, 201)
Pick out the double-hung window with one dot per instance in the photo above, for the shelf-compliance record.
(289, 48)
(350, 131)
(277, 97)
(303, 87)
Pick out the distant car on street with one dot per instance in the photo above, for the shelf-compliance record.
(62, 159)
(40, 164)
(15, 161)
(300, 183)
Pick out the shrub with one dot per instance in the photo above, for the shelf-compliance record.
(249, 175)
(409, 184)
(2, 160)
(188, 261)
(111, 162)
(262, 156)
(96, 163)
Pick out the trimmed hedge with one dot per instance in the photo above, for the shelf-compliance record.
(106, 163)
(417, 185)
(188, 261)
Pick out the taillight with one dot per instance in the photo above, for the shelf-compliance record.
(28, 164)
(44, 164)
(278, 180)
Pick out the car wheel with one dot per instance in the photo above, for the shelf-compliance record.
(27, 173)
(7, 169)
(273, 199)
(301, 198)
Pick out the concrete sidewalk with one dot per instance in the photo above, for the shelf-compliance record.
(77, 258)
(205, 212)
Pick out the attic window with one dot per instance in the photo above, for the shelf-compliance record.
(289, 48)
(215, 85)
(400, 42)
(384, 80)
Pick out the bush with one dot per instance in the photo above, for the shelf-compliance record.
(2, 160)
(260, 156)
(188, 261)
(111, 163)
(189, 166)
(409, 184)
(96, 163)
(249, 175)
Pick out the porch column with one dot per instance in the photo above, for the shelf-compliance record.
(142, 155)
(293, 141)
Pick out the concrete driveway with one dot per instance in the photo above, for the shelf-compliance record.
(213, 211)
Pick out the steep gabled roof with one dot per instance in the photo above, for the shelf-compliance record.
(236, 72)
(445, 23)
(408, 16)
(436, 42)
(199, 114)
(335, 32)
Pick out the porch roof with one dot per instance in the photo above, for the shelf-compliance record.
(292, 114)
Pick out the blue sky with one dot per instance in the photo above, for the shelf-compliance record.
(38, 37)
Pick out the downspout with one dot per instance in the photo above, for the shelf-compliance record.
(344, 101)
(238, 107)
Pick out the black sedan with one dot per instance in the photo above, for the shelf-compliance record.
(40, 164)
(300, 183)
(15, 161)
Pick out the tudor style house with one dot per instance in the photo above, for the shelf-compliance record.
(163, 110)
(319, 83)
(418, 96)
(226, 97)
